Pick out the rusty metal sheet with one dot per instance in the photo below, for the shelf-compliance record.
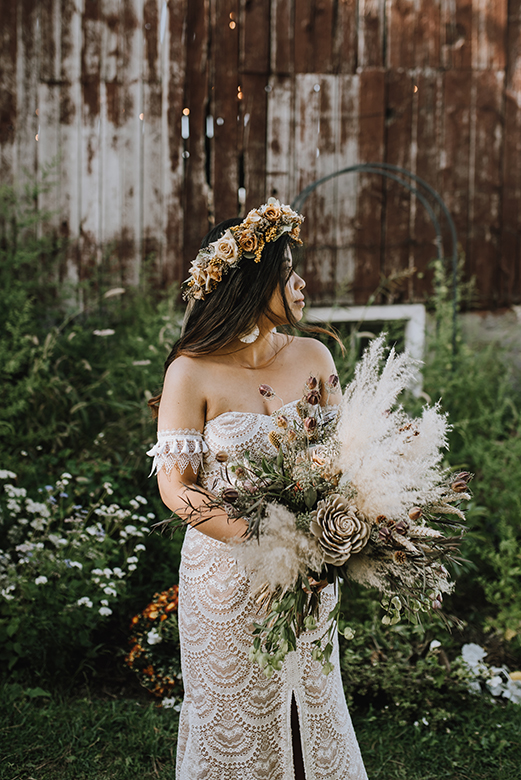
(197, 169)
(400, 150)
(371, 145)
(413, 37)
(225, 89)
(485, 185)
(344, 49)
(509, 282)
(456, 34)
(282, 37)
(313, 20)
(371, 33)
(455, 147)
(255, 19)
(489, 21)
(172, 41)
(280, 139)
(8, 93)
(428, 136)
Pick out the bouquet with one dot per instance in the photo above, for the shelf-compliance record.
(351, 491)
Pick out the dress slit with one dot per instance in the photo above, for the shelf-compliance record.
(296, 741)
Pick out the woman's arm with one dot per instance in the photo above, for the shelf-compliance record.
(183, 406)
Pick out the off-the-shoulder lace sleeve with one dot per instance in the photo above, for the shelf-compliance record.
(178, 449)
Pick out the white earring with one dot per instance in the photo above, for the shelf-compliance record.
(250, 337)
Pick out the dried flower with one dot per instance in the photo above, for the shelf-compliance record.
(384, 533)
(333, 382)
(401, 527)
(221, 457)
(339, 530)
(313, 397)
(464, 475)
(319, 455)
(380, 519)
(310, 425)
(230, 495)
(400, 557)
(459, 486)
(312, 383)
(282, 421)
(415, 513)
(291, 435)
(274, 439)
(302, 410)
(266, 391)
(240, 473)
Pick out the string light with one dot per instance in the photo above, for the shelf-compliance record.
(186, 112)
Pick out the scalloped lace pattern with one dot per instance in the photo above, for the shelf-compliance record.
(235, 723)
(178, 449)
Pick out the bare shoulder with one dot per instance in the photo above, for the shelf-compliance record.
(315, 352)
(183, 400)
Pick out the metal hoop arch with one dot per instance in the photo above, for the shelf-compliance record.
(396, 173)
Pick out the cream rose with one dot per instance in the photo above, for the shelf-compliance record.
(226, 248)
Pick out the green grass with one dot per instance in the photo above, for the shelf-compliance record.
(124, 739)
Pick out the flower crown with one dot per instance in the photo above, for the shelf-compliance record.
(262, 225)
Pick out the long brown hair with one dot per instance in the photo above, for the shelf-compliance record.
(237, 303)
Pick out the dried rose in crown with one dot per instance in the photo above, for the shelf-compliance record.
(339, 530)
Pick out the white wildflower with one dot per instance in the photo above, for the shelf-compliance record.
(104, 602)
(132, 567)
(15, 492)
(132, 559)
(130, 529)
(171, 703)
(139, 548)
(110, 591)
(107, 572)
(134, 504)
(141, 500)
(97, 572)
(37, 508)
(473, 656)
(105, 611)
(434, 644)
(153, 638)
(84, 602)
(42, 580)
(118, 572)
(75, 564)
(38, 524)
(103, 333)
(5, 474)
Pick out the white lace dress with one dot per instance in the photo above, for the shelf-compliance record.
(235, 723)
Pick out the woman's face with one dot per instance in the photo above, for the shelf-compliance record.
(294, 294)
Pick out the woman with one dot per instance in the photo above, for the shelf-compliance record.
(236, 724)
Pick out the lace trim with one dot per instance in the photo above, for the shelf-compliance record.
(178, 449)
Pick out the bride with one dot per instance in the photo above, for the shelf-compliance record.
(235, 723)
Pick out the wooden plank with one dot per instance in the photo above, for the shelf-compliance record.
(313, 36)
(509, 282)
(198, 170)
(371, 135)
(173, 59)
(484, 200)
(8, 95)
(282, 37)
(280, 139)
(225, 90)
(371, 33)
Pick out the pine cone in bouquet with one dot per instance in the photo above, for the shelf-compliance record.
(339, 530)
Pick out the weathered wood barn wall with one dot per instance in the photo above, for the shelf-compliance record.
(163, 116)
